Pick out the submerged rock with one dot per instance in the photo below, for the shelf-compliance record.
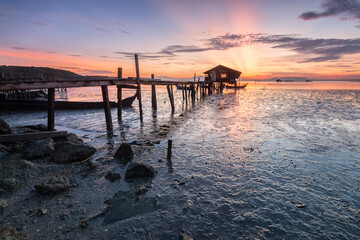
(53, 185)
(139, 170)
(4, 127)
(66, 152)
(38, 149)
(124, 153)
(9, 233)
(113, 176)
(128, 204)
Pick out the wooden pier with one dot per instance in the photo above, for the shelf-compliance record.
(189, 94)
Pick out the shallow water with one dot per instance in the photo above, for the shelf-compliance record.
(242, 162)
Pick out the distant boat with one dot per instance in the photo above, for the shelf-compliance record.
(180, 87)
(241, 86)
(40, 103)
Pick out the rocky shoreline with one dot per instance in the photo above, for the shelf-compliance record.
(42, 183)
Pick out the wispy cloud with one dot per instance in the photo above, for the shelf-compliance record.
(42, 24)
(19, 48)
(100, 29)
(318, 50)
(348, 9)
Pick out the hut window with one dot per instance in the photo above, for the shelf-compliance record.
(223, 75)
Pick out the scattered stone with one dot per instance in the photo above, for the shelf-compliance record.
(38, 127)
(66, 152)
(8, 183)
(124, 153)
(3, 206)
(183, 235)
(139, 170)
(53, 185)
(64, 216)
(84, 224)
(71, 137)
(38, 149)
(42, 212)
(301, 205)
(128, 204)
(9, 233)
(112, 176)
(4, 127)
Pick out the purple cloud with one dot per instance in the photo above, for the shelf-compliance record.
(347, 8)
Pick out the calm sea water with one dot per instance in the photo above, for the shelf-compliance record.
(247, 159)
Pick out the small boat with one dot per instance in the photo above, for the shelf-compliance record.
(180, 87)
(42, 104)
(241, 86)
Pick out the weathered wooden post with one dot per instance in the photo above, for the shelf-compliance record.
(153, 95)
(171, 97)
(182, 91)
(169, 153)
(51, 109)
(119, 96)
(139, 88)
(105, 95)
(186, 98)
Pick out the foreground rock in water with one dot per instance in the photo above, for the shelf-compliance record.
(124, 153)
(38, 149)
(9, 233)
(128, 204)
(66, 152)
(139, 170)
(53, 185)
(183, 235)
(4, 127)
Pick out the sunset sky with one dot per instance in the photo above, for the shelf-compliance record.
(316, 39)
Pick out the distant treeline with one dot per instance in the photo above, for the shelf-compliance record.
(18, 72)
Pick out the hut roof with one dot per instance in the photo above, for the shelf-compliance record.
(223, 69)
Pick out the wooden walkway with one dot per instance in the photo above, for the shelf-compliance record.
(191, 88)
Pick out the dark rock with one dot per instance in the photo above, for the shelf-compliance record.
(9, 233)
(124, 153)
(38, 127)
(183, 235)
(70, 137)
(112, 176)
(4, 127)
(53, 185)
(8, 183)
(139, 170)
(38, 149)
(66, 152)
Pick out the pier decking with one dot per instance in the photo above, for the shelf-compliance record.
(104, 82)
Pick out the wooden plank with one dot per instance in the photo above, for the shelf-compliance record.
(31, 136)
(51, 109)
(27, 85)
(139, 87)
(105, 94)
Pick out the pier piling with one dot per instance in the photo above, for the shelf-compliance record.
(119, 96)
(153, 95)
(105, 94)
(139, 87)
(51, 109)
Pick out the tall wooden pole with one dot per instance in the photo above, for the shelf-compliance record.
(139, 88)
(171, 97)
(119, 96)
(153, 95)
(51, 109)
(105, 94)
